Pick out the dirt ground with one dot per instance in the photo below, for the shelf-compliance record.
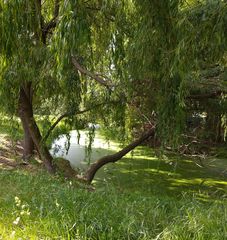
(10, 152)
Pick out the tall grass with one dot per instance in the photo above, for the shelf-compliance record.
(141, 198)
(38, 206)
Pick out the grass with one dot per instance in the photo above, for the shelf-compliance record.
(140, 197)
(133, 201)
(173, 175)
(10, 126)
(37, 206)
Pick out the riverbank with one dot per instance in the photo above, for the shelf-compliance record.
(141, 197)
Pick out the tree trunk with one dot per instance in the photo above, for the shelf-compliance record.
(90, 173)
(26, 112)
(28, 144)
(213, 127)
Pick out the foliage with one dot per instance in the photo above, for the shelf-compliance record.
(29, 54)
(11, 128)
(171, 43)
(154, 53)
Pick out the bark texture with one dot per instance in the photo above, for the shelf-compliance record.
(26, 112)
(90, 174)
(28, 144)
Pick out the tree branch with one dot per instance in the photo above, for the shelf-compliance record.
(101, 80)
(53, 22)
(54, 125)
(68, 114)
(91, 171)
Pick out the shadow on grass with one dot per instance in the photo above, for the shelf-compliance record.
(145, 173)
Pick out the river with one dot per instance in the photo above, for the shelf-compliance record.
(76, 153)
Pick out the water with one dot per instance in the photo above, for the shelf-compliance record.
(76, 153)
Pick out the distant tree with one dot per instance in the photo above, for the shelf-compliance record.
(170, 47)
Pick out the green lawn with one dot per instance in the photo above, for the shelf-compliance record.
(170, 176)
(140, 197)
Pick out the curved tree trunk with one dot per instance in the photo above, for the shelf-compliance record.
(90, 173)
(26, 113)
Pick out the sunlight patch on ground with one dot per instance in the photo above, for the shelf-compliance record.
(196, 181)
(158, 171)
(3, 141)
(150, 170)
(144, 157)
(178, 182)
(211, 182)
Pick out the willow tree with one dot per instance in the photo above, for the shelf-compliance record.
(169, 45)
(57, 57)
(172, 43)
(46, 48)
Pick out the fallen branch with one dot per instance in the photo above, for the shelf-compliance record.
(214, 94)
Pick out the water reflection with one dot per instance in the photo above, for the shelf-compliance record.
(77, 151)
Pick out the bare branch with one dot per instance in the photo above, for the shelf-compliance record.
(56, 8)
(101, 80)
(54, 125)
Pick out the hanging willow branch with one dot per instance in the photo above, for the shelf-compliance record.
(103, 80)
(52, 23)
(68, 114)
